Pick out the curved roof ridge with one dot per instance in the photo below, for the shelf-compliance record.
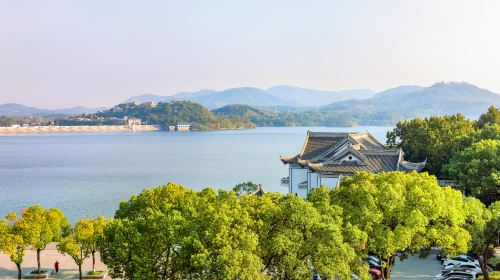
(391, 152)
(305, 143)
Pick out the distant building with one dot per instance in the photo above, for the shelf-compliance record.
(260, 191)
(183, 127)
(150, 104)
(326, 157)
(133, 122)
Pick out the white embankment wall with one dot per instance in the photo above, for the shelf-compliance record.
(79, 128)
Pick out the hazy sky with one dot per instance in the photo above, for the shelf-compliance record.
(99, 52)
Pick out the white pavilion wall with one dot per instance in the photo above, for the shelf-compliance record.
(298, 175)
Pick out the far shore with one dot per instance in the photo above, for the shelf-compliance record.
(78, 128)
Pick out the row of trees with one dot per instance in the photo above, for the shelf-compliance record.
(170, 232)
(456, 148)
(36, 227)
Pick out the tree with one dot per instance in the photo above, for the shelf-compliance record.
(74, 244)
(246, 188)
(402, 213)
(12, 241)
(94, 232)
(169, 232)
(41, 226)
(141, 242)
(492, 116)
(483, 224)
(477, 168)
(294, 238)
(433, 138)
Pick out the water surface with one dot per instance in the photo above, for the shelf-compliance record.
(88, 174)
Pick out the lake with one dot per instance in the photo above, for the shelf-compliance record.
(88, 174)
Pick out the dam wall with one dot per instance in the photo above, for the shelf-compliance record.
(78, 128)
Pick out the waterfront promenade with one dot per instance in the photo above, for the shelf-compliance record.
(78, 128)
(67, 267)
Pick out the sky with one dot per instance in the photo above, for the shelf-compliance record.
(56, 54)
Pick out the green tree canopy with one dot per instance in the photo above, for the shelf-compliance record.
(434, 139)
(295, 237)
(483, 224)
(94, 233)
(74, 244)
(246, 188)
(402, 213)
(491, 117)
(41, 226)
(477, 168)
(169, 232)
(12, 241)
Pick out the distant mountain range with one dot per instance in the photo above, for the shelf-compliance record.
(395, 104)
(414, 101)
(19, 110)
(274, 96)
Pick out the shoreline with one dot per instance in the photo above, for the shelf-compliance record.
(78, 128)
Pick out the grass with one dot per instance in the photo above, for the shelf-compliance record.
(95, 272)
(495, 275)
(42, 271)
(494, 261)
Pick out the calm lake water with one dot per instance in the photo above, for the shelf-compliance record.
(88, 174)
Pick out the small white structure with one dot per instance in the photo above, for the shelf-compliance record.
(133, 122)
(326, 157)
(150, 104)
(183, 127)
(171, 128)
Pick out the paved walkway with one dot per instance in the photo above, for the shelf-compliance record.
(67, 267)
(415, 268)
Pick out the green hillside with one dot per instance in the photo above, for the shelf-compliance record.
(164, 114)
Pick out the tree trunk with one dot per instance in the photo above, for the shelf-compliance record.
(93, 261)
(386, 271)
(483, 263)
(38, 260)
(80, 271)
(19, 271)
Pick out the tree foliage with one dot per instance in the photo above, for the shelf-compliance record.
(434, 139)
(491, 117)
(12, 241)
(483, 225)
(246, 188)
(478, 169)
(41, 226)
(75, 243)
(169, 232)
(402, 213)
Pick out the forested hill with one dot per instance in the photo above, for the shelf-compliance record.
(312, 117)
(164, 114)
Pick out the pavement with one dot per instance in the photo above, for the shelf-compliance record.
(415, 268)
(67, 267)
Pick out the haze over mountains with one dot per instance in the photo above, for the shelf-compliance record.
(401, 102)
(19, 110)
(414, 101)
(274, 96)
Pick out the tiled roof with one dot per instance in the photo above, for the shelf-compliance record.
(325, 152)
(374, 163)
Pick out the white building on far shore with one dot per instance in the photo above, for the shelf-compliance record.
(183, 127)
